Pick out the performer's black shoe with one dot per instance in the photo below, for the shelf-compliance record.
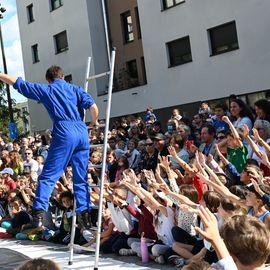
(84, 219)
(37, 220)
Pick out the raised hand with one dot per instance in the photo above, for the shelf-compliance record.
(264, 158)
(256, 135)
(217, 149)
(210, 232)
(165, 161)
(172, 151)
(225, 119)
(245, 130)
(165, 188)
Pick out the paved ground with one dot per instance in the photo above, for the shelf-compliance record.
(9, 257)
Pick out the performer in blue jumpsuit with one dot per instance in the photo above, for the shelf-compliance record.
(65, 104)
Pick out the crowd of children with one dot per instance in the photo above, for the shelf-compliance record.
(196, 192)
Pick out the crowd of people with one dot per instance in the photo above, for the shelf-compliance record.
(197, 192)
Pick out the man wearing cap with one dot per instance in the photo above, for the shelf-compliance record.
(160, 144)
(8, 181)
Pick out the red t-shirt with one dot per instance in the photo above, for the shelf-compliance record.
(199, 185)
(11, 184)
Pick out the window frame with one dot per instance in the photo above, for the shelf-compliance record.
(57, 50)
(68, 78)
(30, 13)
(125, 25)
(35, 55)
(165, 7)
(52, 6)
(169, 56)
(214, 52)
(129, 65)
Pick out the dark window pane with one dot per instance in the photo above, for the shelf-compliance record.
(223, 38)
(56, 4)
(68, 78)
(132, 69)
(127, 27)
(61, 42)
(30, 14)
(35, 53)
(171, 3)
(179, 51)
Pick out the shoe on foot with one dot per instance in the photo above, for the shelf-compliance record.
(160, 259)
(126, 252)
(36, 222)
(173, 258)
(84, 220)
(179, 262)
(87, 235)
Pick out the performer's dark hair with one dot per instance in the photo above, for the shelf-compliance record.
(54, 72)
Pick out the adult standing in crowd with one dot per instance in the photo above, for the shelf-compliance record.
(65, 104)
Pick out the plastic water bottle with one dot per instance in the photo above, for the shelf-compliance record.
(144, 250)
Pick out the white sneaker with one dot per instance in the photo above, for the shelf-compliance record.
(87, 235)
(160, 259)
(126, 252)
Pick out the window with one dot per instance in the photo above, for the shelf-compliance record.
(132, 69)
(68, 78)
(61, 43)
(30, 14)
(179, 51)
(171, 3)
(143, 71)
(35, 53)
(138, 23)
(55, 4)
(223, 38)
(127, 27)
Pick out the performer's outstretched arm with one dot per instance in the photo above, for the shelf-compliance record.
(7, 78)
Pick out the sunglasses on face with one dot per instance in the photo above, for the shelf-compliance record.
(28, 153)
(149, 144)
(221, 137)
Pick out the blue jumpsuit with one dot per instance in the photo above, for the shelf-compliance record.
(65, 104)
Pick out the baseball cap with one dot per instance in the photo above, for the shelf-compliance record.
(160, 136)
(8, 171)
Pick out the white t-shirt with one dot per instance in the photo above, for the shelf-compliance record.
(164, 227)
(242, 121)
(31, 167)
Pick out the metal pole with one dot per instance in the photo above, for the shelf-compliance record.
(5, 71)
(87, 74)
(73, 228)
(106, 30)
(104, 154)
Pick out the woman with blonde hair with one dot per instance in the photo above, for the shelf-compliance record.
(16, 163)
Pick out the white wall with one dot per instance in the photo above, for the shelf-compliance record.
(240, 71)
(70, 17)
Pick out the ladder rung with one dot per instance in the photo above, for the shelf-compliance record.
(94, 186)
(99, 126)
(95, 166)
(78, 247)
(96, 145)
(98, 75)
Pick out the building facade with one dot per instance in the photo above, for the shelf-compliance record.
(185, 51)
(23, 119)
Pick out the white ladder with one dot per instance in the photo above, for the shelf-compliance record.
(103, 166)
